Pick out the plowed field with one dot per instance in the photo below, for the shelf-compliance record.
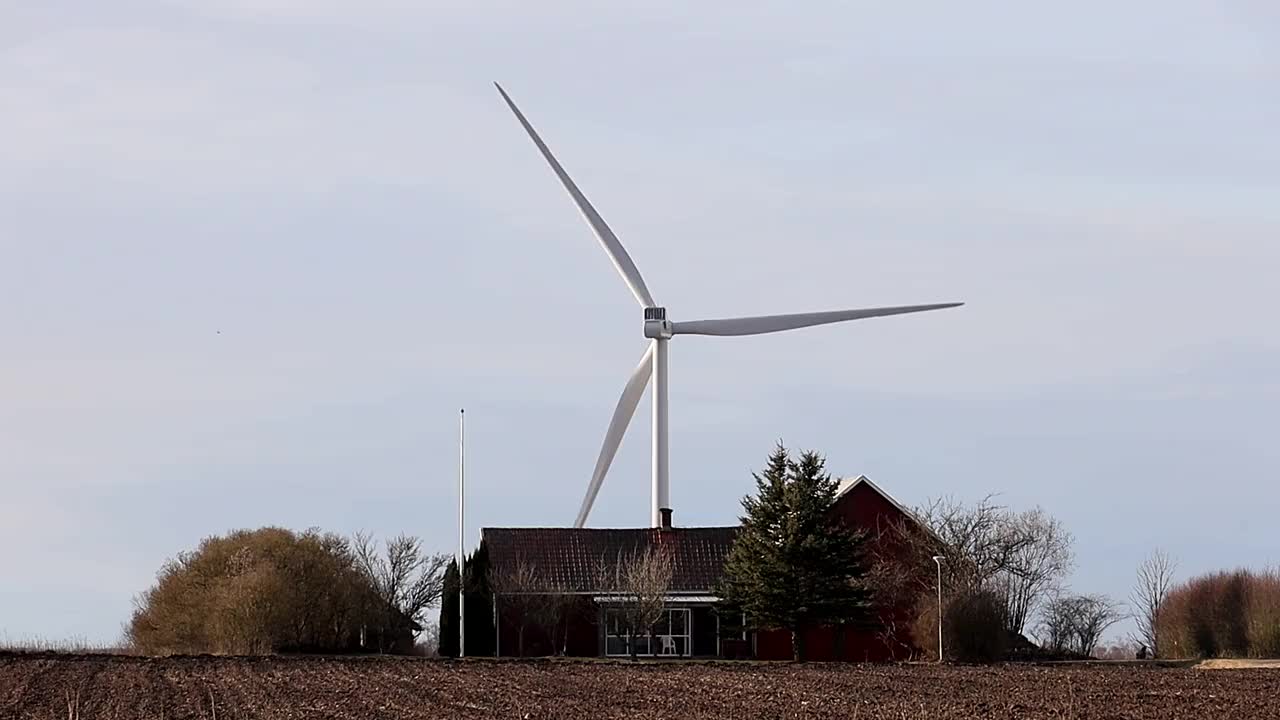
(92, 687)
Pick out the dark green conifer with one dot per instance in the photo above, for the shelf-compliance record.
(794, 565)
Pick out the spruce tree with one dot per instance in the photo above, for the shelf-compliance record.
(794, 565)
(449, 611)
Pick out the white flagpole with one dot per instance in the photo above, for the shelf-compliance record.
(462, 478)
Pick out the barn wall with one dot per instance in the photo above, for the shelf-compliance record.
(865, 509)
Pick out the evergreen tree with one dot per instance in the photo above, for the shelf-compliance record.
(478, 596)
(449, 611)
(794, 565)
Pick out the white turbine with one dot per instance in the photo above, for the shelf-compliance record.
(660, 330)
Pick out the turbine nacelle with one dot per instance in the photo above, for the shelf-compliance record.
(656, 324)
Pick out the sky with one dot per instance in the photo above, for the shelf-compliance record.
(256, 254)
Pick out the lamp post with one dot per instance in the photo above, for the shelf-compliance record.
(937, 559)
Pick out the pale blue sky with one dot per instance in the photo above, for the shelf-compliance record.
(254, 254)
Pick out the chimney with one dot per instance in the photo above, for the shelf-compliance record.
(666, 518)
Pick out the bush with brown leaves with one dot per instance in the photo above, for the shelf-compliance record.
(1223, 614)
(255, 592)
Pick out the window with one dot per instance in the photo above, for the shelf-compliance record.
(669, 637)
(671, 633)
(615, 641)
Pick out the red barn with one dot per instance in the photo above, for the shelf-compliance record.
(589, 620)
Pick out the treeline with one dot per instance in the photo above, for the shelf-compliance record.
(275, 590)
(1223, 614)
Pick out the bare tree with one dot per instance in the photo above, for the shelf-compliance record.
(552, 613)
(980, 541)
(638, 583)
(520, 591)
(1155, 579)
(1075, 623)
(1055, 631)
(1040, 558)
(529, 598)
(1020, 556)
(1097, 613)
(405, 581)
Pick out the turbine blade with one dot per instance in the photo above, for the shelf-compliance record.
(618, 254)
(777, 323)
(622, 414)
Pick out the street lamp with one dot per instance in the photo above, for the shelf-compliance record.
(937, 559)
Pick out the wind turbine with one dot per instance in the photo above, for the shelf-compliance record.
(660, 330)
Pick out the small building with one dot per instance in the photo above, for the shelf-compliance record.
(589, 619)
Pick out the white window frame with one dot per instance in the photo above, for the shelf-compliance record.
(671, 612)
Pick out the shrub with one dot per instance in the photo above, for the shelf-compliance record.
(254, 592)
(977, 626)
(973, 626)
(1223, 614)
(1264, 616)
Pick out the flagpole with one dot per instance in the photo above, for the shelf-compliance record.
(462, 479)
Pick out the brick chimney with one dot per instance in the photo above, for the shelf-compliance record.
(666, 518)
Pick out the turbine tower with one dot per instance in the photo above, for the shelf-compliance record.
(659, 329)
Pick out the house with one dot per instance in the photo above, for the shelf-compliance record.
(589, 620)
(568, 561)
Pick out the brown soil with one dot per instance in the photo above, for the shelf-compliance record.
(89, 687)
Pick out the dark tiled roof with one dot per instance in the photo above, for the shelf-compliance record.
(569, 558)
